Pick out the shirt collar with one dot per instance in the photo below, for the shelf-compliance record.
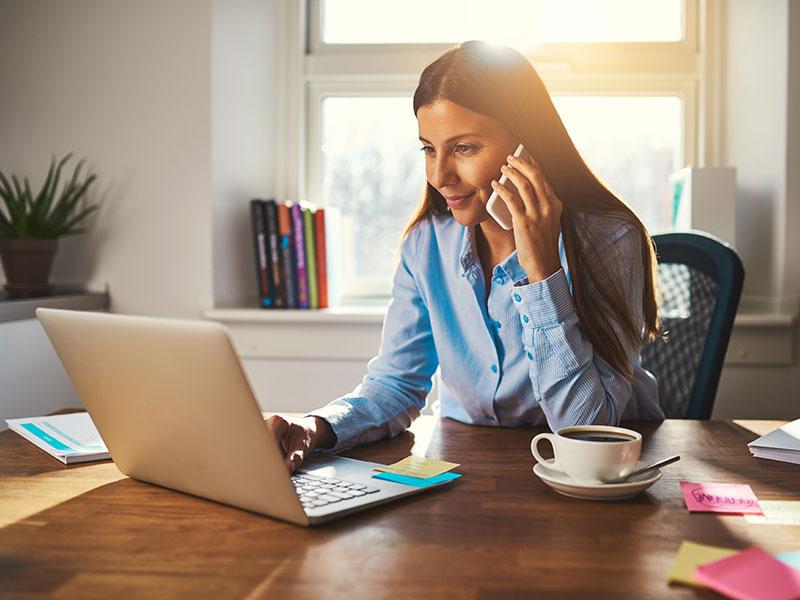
(511, 267)
(468, 258)
(468, 255)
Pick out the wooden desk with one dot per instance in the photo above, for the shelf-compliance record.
(88, 531)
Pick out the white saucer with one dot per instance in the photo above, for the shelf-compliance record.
(564, 484)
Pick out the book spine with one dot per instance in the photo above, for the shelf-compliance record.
(311, 258)
(276, 274)
(300, 255)
(286, 251)
(322, 258)
(260, 245)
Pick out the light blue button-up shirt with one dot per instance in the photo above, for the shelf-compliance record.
(518, 358)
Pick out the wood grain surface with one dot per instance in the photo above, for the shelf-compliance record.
(87, 531)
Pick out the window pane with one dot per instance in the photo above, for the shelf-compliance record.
(632, 143)
(374, 173)
(508, 21)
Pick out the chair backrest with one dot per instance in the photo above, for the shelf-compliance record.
(700, 279)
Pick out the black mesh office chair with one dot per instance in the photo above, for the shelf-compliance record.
(700, 279)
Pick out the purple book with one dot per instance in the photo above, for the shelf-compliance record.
(300, 255)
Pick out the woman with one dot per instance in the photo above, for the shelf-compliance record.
(539, 325)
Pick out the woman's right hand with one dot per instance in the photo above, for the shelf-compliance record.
(299, 436)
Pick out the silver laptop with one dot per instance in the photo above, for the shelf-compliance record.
(175, 408)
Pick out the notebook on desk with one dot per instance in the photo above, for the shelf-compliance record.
(781, 444)
(174, 407)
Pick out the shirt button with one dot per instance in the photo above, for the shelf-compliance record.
(517, 297)
(497, 324)
(498, 280)
(525, 318)
(530, 356)
(494, 368)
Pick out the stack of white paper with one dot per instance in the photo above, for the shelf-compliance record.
(782, 444)
(71, 438)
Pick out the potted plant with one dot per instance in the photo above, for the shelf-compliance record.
(31, 225)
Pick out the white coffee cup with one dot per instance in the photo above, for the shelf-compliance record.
(592, 453)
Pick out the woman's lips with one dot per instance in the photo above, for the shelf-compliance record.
(456, 201)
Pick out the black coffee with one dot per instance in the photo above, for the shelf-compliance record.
(597, 437)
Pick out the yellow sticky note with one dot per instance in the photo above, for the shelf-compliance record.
(777, 512)
(690, 556)
(419, 466)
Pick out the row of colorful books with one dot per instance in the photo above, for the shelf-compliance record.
(291, 261)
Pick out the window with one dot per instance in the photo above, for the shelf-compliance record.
(451, 21)
(372, 174)
(625, 78)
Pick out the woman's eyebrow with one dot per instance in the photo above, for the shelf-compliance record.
(455, 137)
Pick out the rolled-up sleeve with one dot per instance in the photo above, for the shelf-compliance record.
(398, 379)
(571, 381)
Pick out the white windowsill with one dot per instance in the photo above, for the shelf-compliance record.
(339, 315)
(763, 332)
(752, 313)
(766, 312)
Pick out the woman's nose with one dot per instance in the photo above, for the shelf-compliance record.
(442, 173)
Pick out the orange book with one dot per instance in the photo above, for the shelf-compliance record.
(322, 269)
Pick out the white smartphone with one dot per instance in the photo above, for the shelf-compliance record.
(495, 206)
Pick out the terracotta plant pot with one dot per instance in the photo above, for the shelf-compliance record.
(27, 263)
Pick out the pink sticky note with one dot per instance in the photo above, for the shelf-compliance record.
(751, 575)
(720, 497)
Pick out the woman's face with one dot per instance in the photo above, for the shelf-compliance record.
(464, 151)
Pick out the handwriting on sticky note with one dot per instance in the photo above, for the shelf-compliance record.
(777, 512)
(720, 497)
(689, 557)
(418, 466)
(751, 574)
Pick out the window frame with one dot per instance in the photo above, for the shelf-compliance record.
(684, 68)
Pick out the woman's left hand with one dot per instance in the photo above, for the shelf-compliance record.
(536, 217)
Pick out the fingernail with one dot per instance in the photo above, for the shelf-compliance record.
(504, 168)
(511, 158)
(494, 183)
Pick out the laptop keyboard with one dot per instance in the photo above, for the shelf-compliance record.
(320, 491)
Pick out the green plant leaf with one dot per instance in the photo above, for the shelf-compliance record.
(5, 226)
(68, 202)
(27, 202)
(6, 191)
(69, 227)
(52, 191)
(37, 212)
(8, 197)
(58, 213)
(47, 214)
(28, 193)
(22, 223)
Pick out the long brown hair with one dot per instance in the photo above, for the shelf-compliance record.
(498, 82)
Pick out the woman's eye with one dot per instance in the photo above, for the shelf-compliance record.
(465, 148)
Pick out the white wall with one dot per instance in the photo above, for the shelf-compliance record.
(754, 99)
(125, 84)
(33, 380)
(761, 137)
(246, 75)
(792, 263)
